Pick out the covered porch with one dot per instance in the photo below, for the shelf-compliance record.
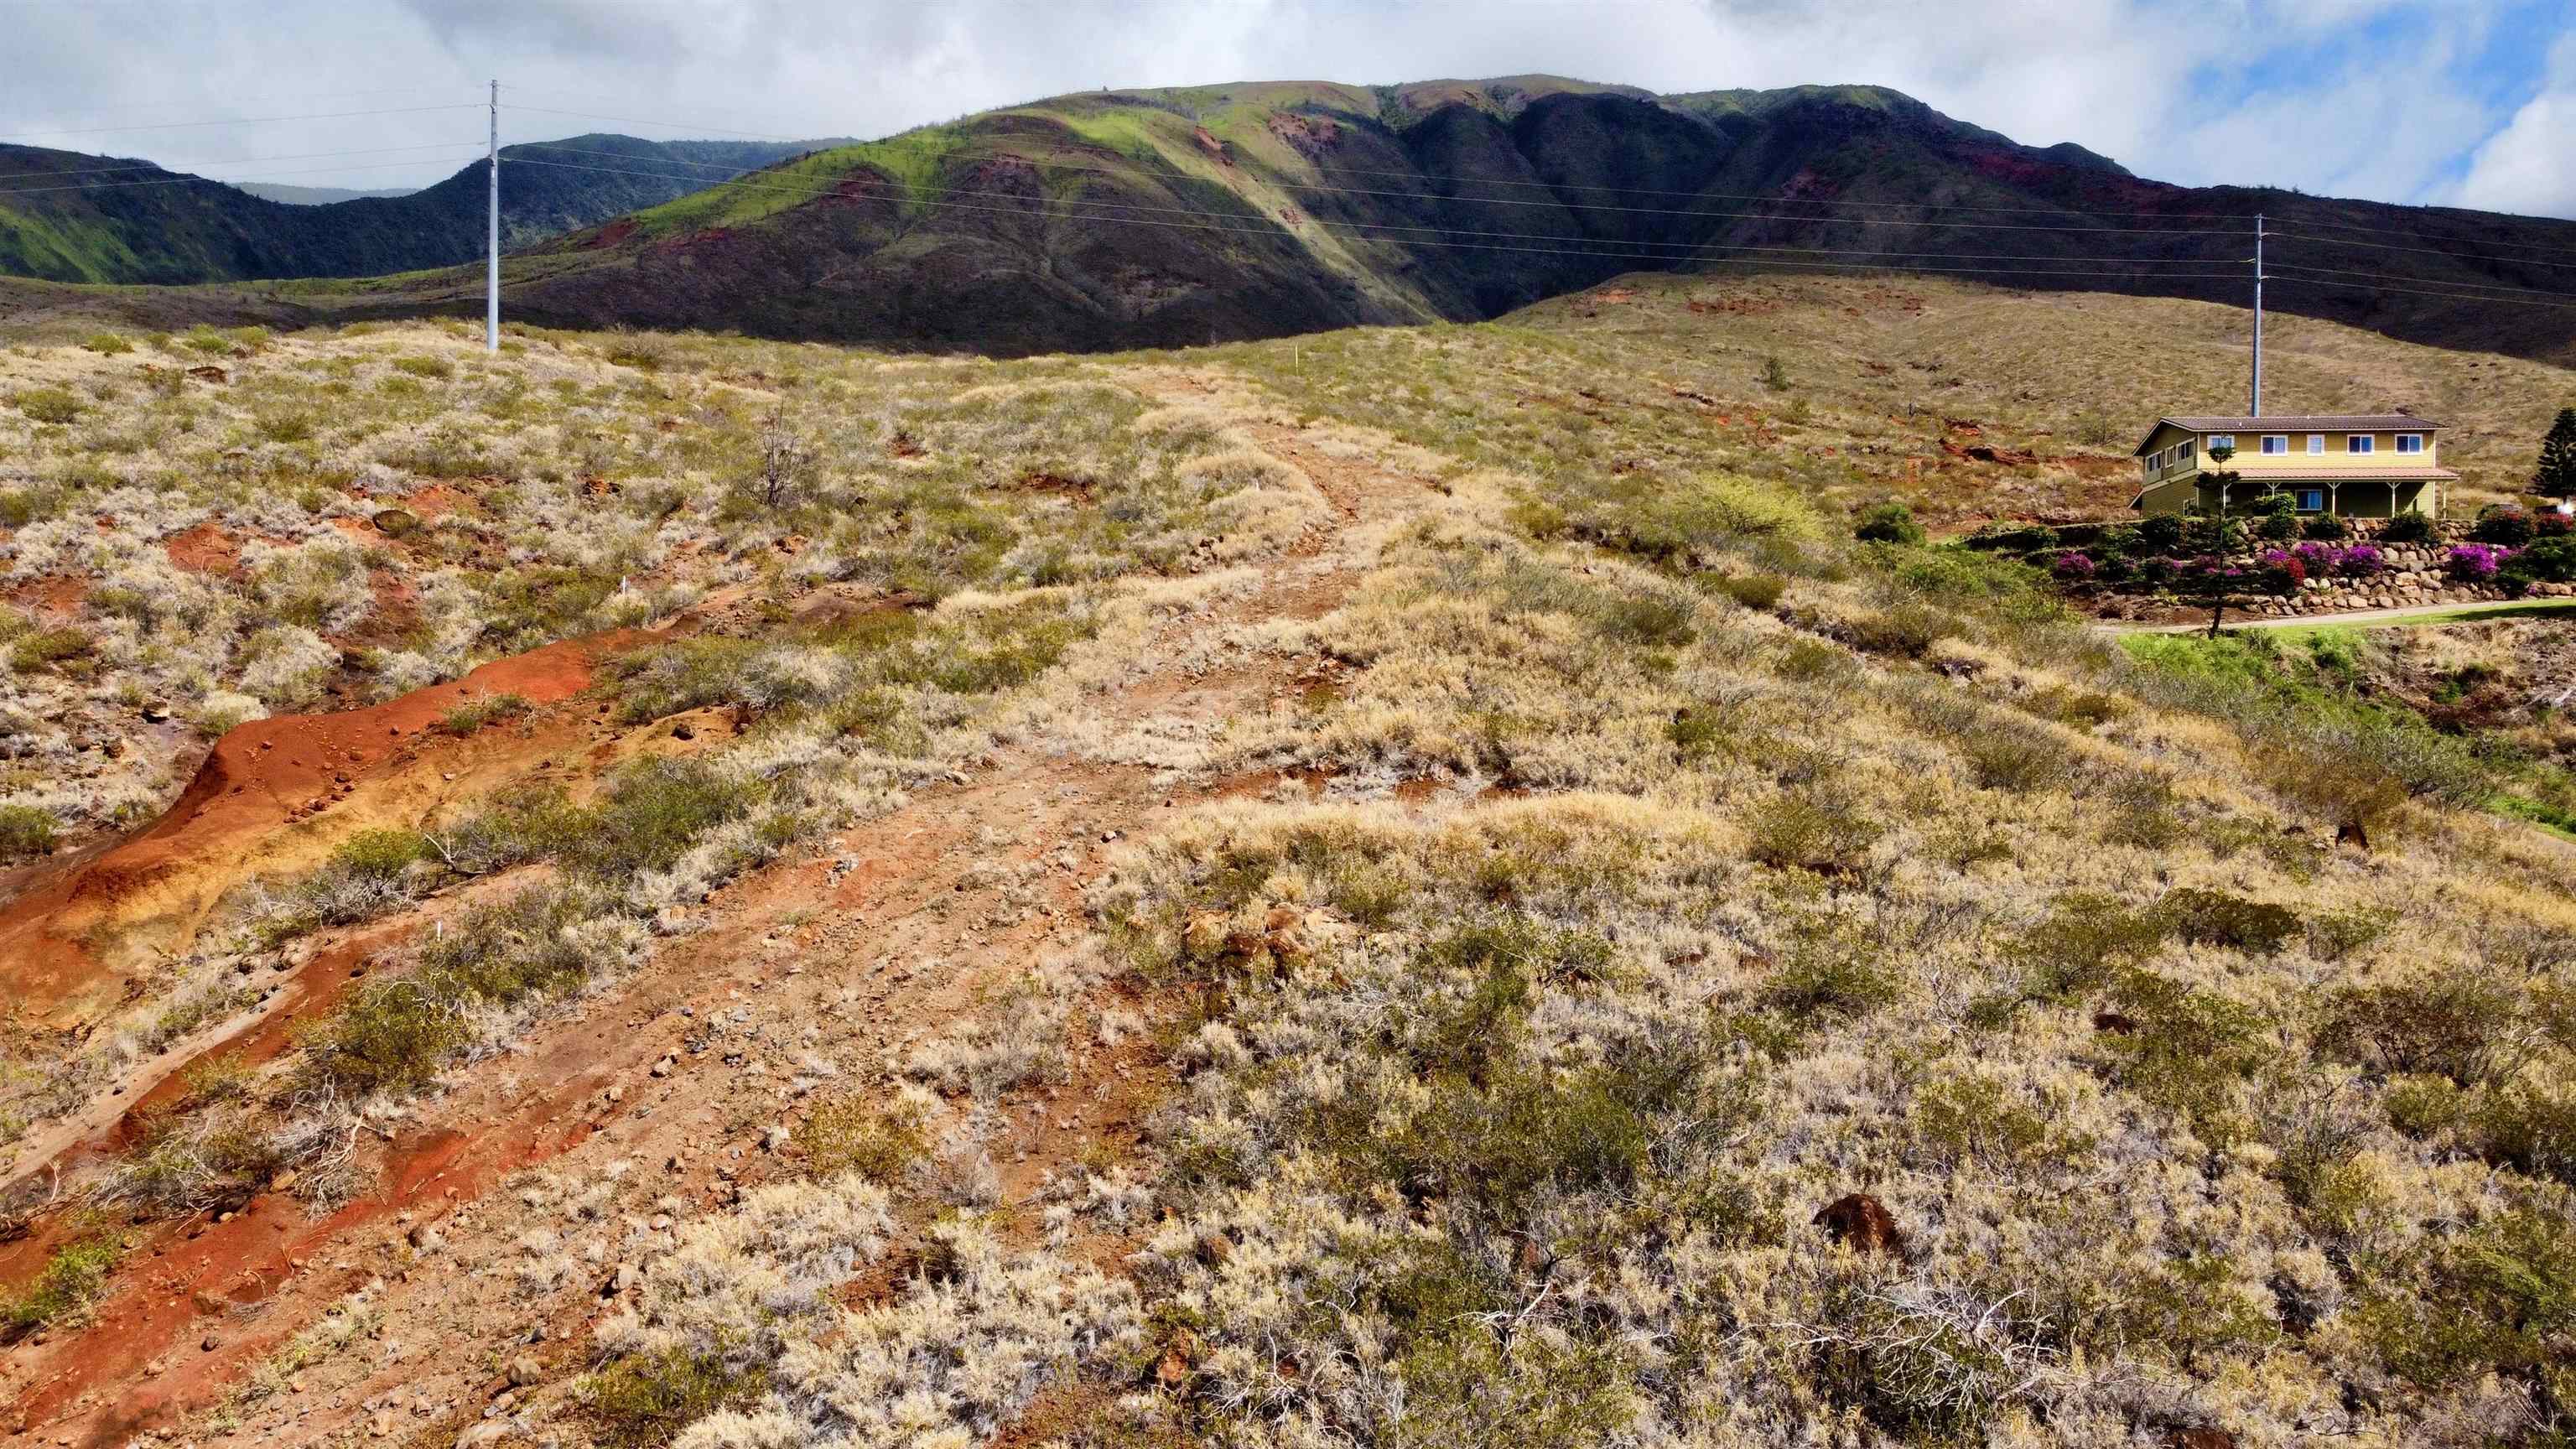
(2345, 493)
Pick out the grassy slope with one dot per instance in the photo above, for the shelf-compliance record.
(1737, 868)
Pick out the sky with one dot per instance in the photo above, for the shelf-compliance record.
(2438, 102)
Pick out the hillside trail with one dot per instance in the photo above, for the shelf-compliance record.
(662, 1095)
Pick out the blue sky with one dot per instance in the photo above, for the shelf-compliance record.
(2464, 102)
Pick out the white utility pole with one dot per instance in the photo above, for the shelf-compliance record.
(2256, 410)
(492, 271)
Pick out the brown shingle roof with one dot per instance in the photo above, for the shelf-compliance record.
(2300, 423)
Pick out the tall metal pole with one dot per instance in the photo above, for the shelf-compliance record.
(2255, 411)
(492, 269)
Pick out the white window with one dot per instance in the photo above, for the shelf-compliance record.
(2316, 442)
(2359, 443)
(2222, 440)
(2410, 442)
(2312, 500)
(2276, 443)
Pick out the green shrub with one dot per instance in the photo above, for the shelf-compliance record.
(437, 368)
(473, 714)
(48, 648)
(25, 831)
(2447, 1023)
(647, 1399)
(1830, 971)
(1888, 522)
(48, 405)
(398, 1031)
(853, 1134)
(651, 814)
(2191, 1052)
(2216, 918)
(106, 344)
(71, 1280)
(2017, 760)
(2325, 528)
(2408, 528)
(1800, 831)
(2530, 1129)
(2082, 944)
(1758, 592)
(1904, 631)
(2498, 1299)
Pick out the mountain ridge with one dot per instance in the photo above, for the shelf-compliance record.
(1188, 214)
(152, 226)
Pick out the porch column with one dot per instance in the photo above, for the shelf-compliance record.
(2334, 499)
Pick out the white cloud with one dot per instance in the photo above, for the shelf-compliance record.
(2530, 165)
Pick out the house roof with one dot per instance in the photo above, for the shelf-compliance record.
(2297, 423)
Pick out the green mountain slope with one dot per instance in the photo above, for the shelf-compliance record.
(63, 218)
(1120, 218)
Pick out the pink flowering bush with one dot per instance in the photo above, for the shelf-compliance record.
(2476, 563)
(2073, 568)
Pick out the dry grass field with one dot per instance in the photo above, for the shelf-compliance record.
(1406, 887)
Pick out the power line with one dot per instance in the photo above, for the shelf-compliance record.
(2330, 241)
(1494, 201)
(1798, 200)
(1606, 249)
(232, 181)
(242, 161)
(2434, 281)
(2419, 235)
(2380, 287)
(838, 190)
(242, 121)
(578, 98)
(2466, 291)
(665, 125)
(1669, 250)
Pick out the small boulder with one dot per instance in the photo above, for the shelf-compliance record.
(2114, 1023)
(395, 522)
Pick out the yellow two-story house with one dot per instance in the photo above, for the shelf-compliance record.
(2371, 465)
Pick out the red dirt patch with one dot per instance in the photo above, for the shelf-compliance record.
(204, 549)
(259, 777)
(613, 233)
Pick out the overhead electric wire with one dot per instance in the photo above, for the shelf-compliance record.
(1320, 221)
(2425, 279)
(247, 121)
(665, 125)
(1795, 200)
(2377, 287)
(1268, 222)
(2331, 241)
(1498, 201)
(247, 160)
(233, 181)
(1614, 250)
(2419, 235)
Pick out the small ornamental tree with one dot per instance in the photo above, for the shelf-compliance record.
(2556, 475)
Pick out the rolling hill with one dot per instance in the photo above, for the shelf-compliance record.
(60, 222)
(1120, 218)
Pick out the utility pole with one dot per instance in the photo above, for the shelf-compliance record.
(2256, 410)
(492, 271)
